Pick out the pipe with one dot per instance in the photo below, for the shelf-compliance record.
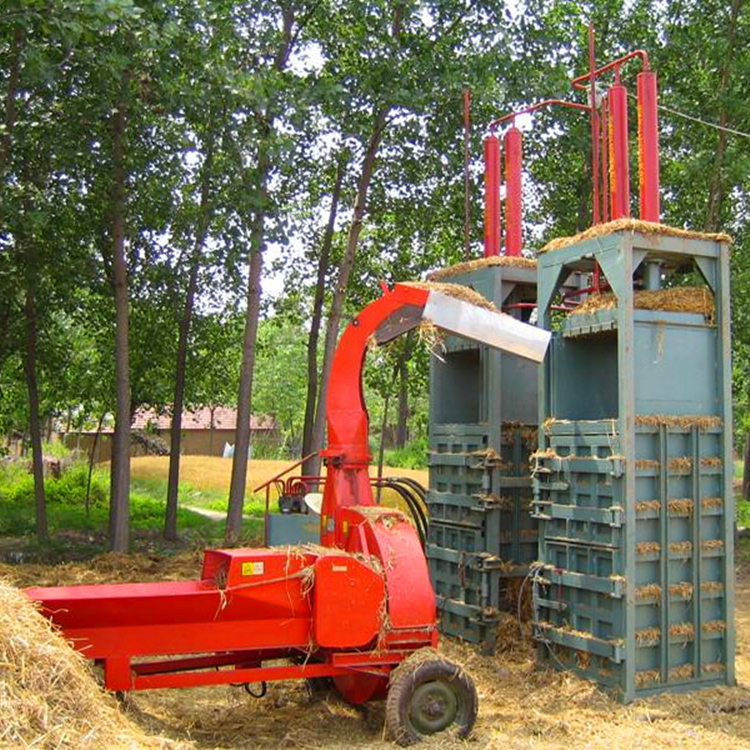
(648, 147)
(492, 227)
(619, 167)
(513, 145)
(594, 129)
(581, 82)
(538, 105)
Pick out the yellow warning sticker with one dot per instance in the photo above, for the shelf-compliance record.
(253, 569)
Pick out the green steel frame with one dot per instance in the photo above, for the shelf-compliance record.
(483, 406)
(601, 540)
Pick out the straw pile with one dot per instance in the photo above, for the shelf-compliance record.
(682, 590)
(48, 696)
(509, 261)
(633, 225)
(520, 705)
(686, 299)
(680, 421)
(465, 293)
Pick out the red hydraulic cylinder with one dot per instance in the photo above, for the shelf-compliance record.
(513, 145)
(619, 167)
(492, 226)
(648, 147)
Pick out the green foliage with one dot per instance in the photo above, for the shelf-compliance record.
(17, 486)
(412, 456)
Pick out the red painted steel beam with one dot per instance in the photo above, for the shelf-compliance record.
(648, 147)
(224, 677)
(539, 105)
(583, 81)
(619, 164)
(492, 222)
(513, 147)
(594, 129)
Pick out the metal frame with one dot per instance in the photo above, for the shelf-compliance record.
(619, 255)
(474, 566)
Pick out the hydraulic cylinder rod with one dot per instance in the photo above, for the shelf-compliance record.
(513, 145)
(619, 168)
(648, 147)
(492, 225)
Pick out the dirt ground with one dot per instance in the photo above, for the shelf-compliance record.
(520, 706)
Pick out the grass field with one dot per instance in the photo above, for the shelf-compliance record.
(204, 480)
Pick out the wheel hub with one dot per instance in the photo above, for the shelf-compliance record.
(433, 707)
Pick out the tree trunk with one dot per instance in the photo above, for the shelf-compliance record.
(92, 458)
(35, 428)
(716, 186)
(746, 470)
(381, 445)
(170, 517)
(345, 269)
(317, 314)
(244, 397)
(211, 428)
(11, 97)
(119, 511)
(402, 425)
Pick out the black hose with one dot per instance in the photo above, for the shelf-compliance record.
(419, 490)
(414, 509)
(413, 483)
(412, 502)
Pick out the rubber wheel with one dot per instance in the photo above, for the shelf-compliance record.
(319, 688)
(427, 696)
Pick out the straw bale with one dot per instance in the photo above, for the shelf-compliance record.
(710, 544)
(683, 590)
(715, 667)
(650, 591)
(712, 502)
(48, 695)
(646, 677)
(682, 421)
(682, 464)
(713, 462)
(647, 463)
(681, 548)
(508, 261)
(647, 636)
(714, 626)
(643, 506)
(712, 586)
(682, 630)
(546, 453)
(683, 672)
(530, 435)
(647, 548)
(633, 225)
(688, 299)
(682, 507)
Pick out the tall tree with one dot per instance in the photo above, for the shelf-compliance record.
(309, 467)
(265, 114)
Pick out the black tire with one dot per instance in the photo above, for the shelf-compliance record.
(319, 688)
(427, 695)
